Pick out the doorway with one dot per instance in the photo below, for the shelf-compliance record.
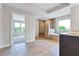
(18, 29)
(43, 28)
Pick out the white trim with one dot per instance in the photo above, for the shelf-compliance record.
(12, 25)
(8, 45)
(29, 41)
(1, 28)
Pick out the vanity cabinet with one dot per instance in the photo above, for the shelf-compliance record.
(69, 45)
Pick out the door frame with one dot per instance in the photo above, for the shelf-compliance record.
(12, 27)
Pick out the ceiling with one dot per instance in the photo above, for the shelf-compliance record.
(40, 9)
(17, 17)
(45, 6)
(34, 8)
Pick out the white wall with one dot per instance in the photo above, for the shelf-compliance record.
(37, 28)
(75, 18)
(30, 28)
(5, 26)
(0, 29)
(0, 5)
(29, 24)
(6, 20)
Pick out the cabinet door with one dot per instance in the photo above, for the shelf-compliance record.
(69, 45)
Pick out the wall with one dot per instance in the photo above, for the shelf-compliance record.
(30, 24)
(0, 5)
(15, 11)
(75, 18)
(37, 28)
(0, 29)
(6, 20)
(6, 23)
(30, 28)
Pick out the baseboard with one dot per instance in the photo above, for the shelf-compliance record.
(30, 41)
(7, 45)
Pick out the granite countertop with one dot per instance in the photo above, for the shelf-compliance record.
(71, 33)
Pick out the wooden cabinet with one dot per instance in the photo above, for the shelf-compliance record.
(54, 37)
(52, 23)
